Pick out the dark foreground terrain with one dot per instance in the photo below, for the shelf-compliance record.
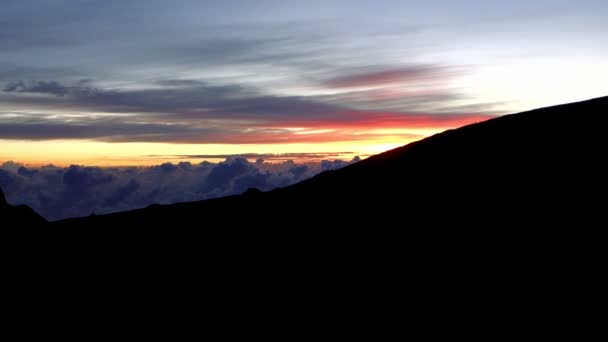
(21, 215)
(502, 216)
(517, 172)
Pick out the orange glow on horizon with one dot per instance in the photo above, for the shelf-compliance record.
(91, 153)
(363, 138)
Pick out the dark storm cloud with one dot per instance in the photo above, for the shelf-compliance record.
(57, 192)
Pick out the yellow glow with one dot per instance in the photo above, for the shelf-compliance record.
(403, 131)
(315, 131)
(67, 152)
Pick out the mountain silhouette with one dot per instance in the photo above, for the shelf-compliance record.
(497, 216)
(20, 216)
(529, 169)
(535, 168)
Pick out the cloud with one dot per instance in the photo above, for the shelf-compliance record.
(235, 169)
(284, 48)
(409, 89)
(57, 192)
(80, 89)
(263, 156)
(299, 170)
(52, 87)
(359, 129)
(174, 100)
(24, 171)
(192, 111)
(121, 194)
(77, 178)
(100, 129)
(408, 74)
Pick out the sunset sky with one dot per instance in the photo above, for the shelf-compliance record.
(125, 82)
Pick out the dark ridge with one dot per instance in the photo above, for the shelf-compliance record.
(501, 210)
(513, 176)
(18, 217)
(3, 202)
(526, 169)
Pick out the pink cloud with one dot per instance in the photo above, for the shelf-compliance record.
(410, 74)
(360, 126)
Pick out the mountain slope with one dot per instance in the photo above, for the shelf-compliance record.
(20, 216)
(535, 167)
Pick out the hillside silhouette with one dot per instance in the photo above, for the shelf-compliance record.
(535, 167)
(532, 168)
(20, 216)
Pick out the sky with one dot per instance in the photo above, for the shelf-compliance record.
(126, 82)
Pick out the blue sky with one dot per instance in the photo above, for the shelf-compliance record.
(214, 75)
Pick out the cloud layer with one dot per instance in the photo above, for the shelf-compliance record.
(220, 76)
(192, 111)
(58, 193)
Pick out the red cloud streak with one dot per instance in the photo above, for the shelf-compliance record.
(376, 120)
(391, 76)
(364, 126)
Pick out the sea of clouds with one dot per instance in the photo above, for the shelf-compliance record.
(62, 192)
